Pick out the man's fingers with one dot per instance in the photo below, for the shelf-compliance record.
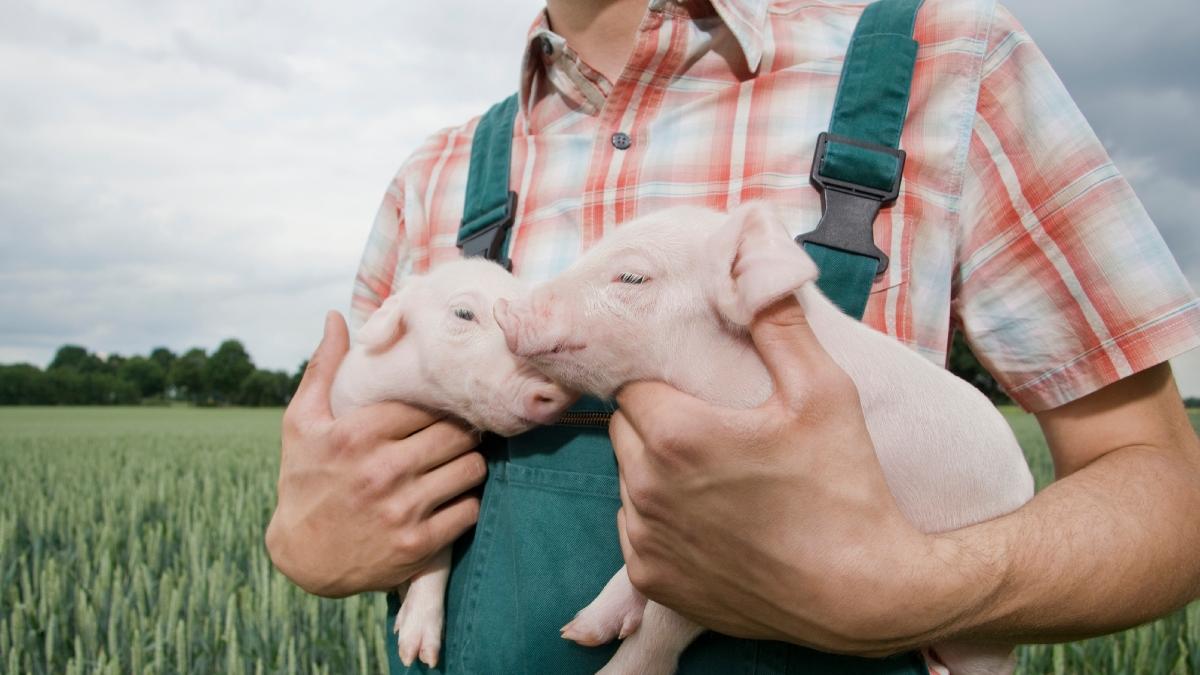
(657, 410)
(450, 480)
(312, 397)
(452, 520)
(387, 420)
(627, 445)
(785, 340)
(629, 521)
(627, 551)
(436, 444)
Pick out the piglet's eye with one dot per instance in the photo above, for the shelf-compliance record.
(631, 278)
(464, 313)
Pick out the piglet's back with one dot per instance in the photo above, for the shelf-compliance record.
(949, 456)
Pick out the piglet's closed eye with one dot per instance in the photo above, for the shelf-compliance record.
(758, 262)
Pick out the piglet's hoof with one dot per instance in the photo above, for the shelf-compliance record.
(419, 633)
(615, 613)
(590, 629)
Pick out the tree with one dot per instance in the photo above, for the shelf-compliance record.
(189, 375)
(105, 389)
(145, 374)
(23, 384)
(76, 358)
(962, 362)
(163, 357)
(112, 364)
(265, 388)
(67, 387)
(227, 368)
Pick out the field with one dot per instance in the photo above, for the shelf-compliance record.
(131, 542)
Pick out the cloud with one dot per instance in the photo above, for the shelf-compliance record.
(178, 173)
(249, 65)
(181, 173)
(25, 23)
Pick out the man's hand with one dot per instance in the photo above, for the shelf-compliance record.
(774, 522)
(367, 499)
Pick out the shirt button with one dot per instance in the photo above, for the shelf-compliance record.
(621, 140)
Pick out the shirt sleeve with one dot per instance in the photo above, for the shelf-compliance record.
(1063, 284)
(384, 258)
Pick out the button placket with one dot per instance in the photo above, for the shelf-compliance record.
(624, 103)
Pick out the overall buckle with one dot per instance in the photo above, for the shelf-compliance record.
(849, 209)
(488, 242)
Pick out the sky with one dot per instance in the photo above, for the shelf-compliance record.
(179, 173)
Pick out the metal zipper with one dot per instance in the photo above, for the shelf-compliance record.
(584, 419)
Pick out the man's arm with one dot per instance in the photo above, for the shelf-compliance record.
(1112, 543)
(777, 523)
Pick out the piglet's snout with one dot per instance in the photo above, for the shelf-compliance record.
(544, 402)
(532, 327)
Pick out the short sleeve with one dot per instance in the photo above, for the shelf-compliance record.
(383, 258)
(1063, 285)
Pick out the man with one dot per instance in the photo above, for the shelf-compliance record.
(1013, 227)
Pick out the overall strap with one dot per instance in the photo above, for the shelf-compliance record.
(857, 166)
(490, 206)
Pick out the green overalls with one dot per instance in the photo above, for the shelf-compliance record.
(546, 540)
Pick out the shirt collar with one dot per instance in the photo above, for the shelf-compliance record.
(746, 20)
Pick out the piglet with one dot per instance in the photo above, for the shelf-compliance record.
(434, 344)
(669, 297)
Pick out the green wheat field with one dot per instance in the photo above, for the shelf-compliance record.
(131, 542)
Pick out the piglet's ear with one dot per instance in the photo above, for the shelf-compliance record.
(760, 262)
(385, 326)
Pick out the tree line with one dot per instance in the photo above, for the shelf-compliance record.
(228, 376)
(77, 376)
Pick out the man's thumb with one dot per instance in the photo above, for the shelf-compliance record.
(785, 340)
(313, 394)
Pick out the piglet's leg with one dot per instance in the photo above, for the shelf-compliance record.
(656, 647)
(419, 622)
(653, 635)
(615, 613)
(974, 658)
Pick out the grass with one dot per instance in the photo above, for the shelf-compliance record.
(131, 542)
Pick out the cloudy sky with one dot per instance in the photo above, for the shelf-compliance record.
(178, 173)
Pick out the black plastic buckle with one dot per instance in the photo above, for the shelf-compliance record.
(489, 242)
(849, 209)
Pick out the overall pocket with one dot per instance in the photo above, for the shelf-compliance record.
(545, 548)
(545, 545)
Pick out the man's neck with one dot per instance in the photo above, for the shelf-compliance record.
(602, 32)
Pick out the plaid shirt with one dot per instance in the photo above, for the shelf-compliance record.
(1013, 224)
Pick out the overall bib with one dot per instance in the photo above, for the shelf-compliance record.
(546, 540)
